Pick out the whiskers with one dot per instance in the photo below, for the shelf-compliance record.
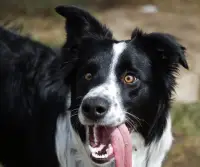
(79, 97)
(134, 121)
(75, 112)
(131, 124)
(74, 118)
(73, 115)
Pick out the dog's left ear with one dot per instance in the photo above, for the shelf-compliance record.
(162, 48)
(80, 24)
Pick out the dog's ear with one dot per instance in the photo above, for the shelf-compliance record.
(165, 55)
(162, 48)
(79, 24)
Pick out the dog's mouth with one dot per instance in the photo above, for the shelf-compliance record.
(100, 144)
(110, 143)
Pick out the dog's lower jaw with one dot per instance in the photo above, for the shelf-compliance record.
(110, 164)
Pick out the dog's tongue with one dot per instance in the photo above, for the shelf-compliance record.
(121, 143)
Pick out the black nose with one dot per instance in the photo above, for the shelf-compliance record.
(95, 108)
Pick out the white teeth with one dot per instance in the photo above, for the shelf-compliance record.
(94, 135)
(109, 150)
(96, 149)
(95, 155)
(100, 147)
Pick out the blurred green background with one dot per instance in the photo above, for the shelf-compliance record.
(179, 17)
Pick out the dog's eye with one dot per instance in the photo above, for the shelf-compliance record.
(129, 79)
(88, 76)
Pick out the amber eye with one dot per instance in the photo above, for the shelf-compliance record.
(129, 79)
(88, 76)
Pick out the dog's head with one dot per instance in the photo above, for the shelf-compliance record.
(118, 84)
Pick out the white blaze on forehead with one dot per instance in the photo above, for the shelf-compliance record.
(118, 48)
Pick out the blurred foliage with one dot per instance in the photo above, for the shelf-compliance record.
(46, 7)
(185, 152)
(186, 127)
(186, 119)
(32, 7)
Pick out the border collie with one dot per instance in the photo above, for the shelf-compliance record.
(100, 102)
(121, 92)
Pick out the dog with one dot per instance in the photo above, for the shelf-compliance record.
(121, 94)
(96, 102)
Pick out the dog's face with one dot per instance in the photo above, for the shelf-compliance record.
(118, 82)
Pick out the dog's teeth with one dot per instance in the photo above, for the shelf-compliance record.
(91, 149)
(105, 156)
(95, 137)
(102, 156)
(109, 151)
(99, 156)
(96, 149)
(95, 155)
(100, 147)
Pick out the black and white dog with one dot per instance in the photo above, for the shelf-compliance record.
(119, 90)
(101, 102)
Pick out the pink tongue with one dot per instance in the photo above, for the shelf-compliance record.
(121, 143)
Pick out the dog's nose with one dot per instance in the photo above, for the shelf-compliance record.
(95, 108)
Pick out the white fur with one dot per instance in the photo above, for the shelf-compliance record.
(154, 154)
(111, 91)
(69, 148)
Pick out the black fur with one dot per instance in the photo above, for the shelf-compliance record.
(35, 80)
(32, 91)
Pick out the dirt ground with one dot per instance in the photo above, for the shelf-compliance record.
(185, 26)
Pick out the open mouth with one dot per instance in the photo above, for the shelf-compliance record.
(110, 143)
(100, 144)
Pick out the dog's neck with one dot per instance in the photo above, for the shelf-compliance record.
(71, 151)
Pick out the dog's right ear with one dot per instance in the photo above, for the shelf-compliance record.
(80, 24)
